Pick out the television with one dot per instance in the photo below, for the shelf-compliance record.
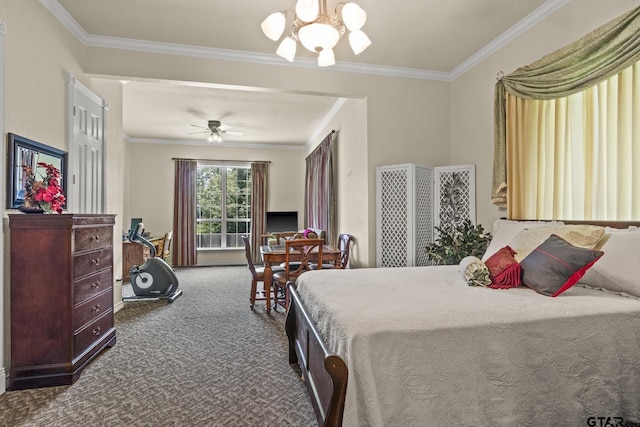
(281, 221)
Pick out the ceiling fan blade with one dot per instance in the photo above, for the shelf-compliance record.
(223, 128)
(200, 131)
(234, 133)
(202, 127)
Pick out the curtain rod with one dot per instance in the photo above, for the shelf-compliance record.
(223, 161)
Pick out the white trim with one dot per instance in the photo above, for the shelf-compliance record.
(228, 144)
(325, 121)
(3, 372)
(72, 25)
(505, 38)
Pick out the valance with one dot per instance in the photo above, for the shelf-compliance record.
(597, 56)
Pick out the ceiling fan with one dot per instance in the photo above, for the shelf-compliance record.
(215, 129)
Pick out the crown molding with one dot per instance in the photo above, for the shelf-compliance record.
(87, 39)
(225, 144)
(315, 137)
(512, 33)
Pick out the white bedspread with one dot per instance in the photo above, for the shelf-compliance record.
(425, 349)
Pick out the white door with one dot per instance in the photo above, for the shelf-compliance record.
(86, 149)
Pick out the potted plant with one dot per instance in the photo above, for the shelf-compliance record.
(457, 241)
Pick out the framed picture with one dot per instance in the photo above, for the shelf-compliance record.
(24, 151)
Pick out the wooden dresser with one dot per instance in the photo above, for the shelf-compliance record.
(61, 282)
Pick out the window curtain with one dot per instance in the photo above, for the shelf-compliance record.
(597, 56)
(184, 213)
(320, 192)
(259, 181)
(576, 157)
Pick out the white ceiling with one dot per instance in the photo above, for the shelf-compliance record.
(431, 39)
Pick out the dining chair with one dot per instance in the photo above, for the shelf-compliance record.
(257, 275)
(299, 253)
(166, 246)
(344, 245)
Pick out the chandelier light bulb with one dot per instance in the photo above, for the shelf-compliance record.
(307, 10)
(273, 25)
(358, 41)
(353, 16)
(317, 37)
(287, 49)
(326, 58)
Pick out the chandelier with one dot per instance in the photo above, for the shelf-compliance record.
(316, 30)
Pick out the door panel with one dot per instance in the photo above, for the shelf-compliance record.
(86, 150)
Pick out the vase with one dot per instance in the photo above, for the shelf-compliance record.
(27, 207)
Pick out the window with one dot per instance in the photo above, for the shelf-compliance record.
(577, 157)
(223, 206)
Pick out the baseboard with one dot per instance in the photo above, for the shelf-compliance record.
(3, 380)
(117, 307)
(216, 264)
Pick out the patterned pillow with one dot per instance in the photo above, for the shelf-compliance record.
(504, 230)
(581, 235)
(504, 270)
(556, 265)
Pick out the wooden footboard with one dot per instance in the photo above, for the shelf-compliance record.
(324, 374)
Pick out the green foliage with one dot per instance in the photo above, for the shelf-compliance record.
(458, 241)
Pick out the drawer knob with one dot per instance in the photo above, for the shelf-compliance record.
(95, 261)
(95, 285)
(96, 307)
(96, 331)
(95, 238)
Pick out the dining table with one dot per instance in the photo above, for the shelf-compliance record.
(275, 255)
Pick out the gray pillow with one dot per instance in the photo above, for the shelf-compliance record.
(556, 265)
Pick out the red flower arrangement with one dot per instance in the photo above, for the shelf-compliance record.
(45, 194)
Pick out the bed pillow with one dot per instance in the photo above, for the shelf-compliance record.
(556, 265)
(619, 269)
(504, 230)
(581, 235)
(474, 271)
(504, 270)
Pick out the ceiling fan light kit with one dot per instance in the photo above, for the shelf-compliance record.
(216, 129)
(316, 30)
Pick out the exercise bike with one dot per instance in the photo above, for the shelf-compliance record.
(154, 279)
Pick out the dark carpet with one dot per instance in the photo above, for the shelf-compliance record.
(205, 360)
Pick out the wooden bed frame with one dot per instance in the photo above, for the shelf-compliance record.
(325, 374)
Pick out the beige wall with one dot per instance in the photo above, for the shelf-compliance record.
(472, 93)
(151, 176)
(406, 119)
(351, 149)
(150, 182)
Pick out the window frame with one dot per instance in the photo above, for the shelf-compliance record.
(224, 220)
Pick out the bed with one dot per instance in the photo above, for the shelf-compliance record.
(419, 346)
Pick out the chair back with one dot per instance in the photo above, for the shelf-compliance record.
(300, 253)
(247, 253)
(344, 244)
(166, 247)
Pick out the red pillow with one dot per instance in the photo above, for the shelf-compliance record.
(504, 270)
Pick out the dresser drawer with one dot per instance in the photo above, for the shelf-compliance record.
(92, 332)
(92, 238)
(92, 262)
(90, 310)
(91, 286)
